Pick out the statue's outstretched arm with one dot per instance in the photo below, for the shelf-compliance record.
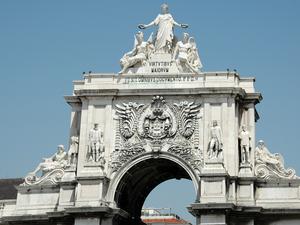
(131, 53)
(144, 26)
(182, 25)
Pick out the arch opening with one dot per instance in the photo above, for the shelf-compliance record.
(138, 181)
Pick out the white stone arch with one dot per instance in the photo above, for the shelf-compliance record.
(110, 197)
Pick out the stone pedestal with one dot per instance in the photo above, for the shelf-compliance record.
(69, 175)
(213, 182)
(214, 166)
(245, 170)
(91, 191)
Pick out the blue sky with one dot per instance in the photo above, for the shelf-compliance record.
(46, 44)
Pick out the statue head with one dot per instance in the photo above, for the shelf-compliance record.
(74, 139)
(139, 37)
(244, 127)
(60, 148)
(164, 8)
(261, 144)
(185, 38)
(215, 123)
(96, 126)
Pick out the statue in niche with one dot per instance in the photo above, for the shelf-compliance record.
(187, 55)
(164, 40)
(270, 166)
(245, 139)
(73, 151)
(138, 54)
(58, 161)
(215, 146)
(96, 145)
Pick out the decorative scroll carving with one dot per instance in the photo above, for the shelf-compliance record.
(191, 155)
(120, 157)
(128, 117)
(52, 169)
(187, 112)
(156, 127)
(51, 177)
(270, 166)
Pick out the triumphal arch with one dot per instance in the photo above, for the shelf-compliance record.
(161, 117)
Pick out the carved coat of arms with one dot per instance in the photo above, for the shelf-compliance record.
(157, 122)
(157, 126)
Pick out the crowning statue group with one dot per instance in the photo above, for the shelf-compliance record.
(184, 52)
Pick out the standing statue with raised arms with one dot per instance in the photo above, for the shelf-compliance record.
(164, 36)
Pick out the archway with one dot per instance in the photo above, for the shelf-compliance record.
(168, 201)
(141, 177)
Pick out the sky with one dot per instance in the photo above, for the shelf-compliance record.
(45, 45)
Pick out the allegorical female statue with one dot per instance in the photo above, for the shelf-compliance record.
(164, 35)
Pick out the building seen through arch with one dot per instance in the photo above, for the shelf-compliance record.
(155, 216)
